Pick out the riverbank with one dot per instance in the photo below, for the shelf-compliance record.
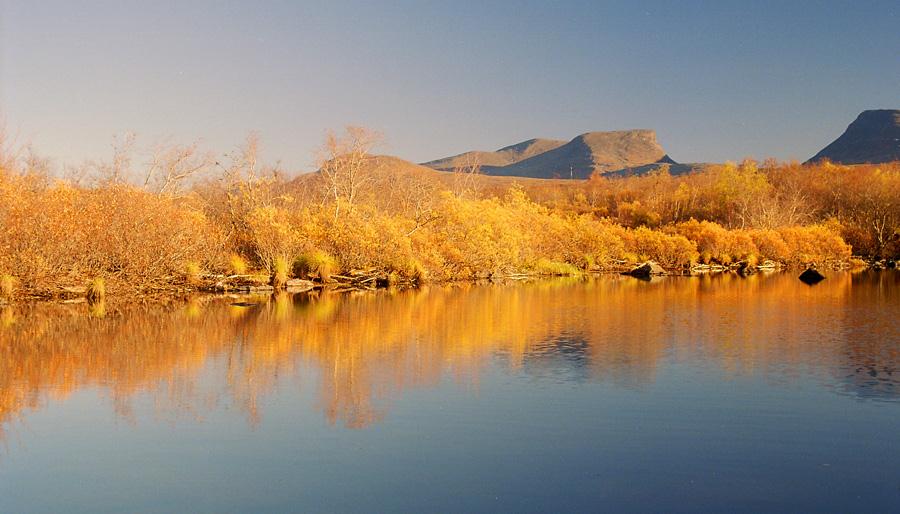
(124, 241)
(248, 227)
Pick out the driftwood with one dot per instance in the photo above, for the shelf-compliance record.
(354, 280)
(368, 280)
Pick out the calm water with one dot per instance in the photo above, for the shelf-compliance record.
(610, 394)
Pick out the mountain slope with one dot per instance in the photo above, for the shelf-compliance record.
(502, 157)
(605, 152)
(874, 137)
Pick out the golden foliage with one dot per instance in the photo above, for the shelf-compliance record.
(55, 233)
(813, 244)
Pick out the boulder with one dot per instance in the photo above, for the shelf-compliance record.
(811, 276)
(744, 268)
(700, 269)
(647, 270)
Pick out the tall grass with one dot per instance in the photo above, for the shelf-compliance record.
(193, 273)
(96, 291)
(316, 264)
(280, 272)
(7, 286)
(237, 264)
(546, 267)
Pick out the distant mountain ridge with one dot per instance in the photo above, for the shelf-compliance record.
(503, 157)
(615, 152)
(873, 137)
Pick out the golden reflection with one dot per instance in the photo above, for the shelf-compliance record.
(365, 349)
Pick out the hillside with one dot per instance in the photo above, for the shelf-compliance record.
(874, 137)
(605, 152)
(387, 169)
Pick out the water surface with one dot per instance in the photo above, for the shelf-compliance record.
(608, 394)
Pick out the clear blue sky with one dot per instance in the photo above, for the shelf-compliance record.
(717, 80)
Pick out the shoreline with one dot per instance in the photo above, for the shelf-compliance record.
(249, 285)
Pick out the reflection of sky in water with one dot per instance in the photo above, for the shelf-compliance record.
(696, 387)
(870, 382)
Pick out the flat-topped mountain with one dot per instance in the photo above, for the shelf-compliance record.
(874, 137)
(603, 152)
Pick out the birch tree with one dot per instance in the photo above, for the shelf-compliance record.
(346, 166)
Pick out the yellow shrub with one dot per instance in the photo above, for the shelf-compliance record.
(274, 235)
(669, 250)
(55, 234)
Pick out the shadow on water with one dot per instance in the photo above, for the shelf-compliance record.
(370, 348)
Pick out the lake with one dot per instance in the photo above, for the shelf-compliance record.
(716, 393)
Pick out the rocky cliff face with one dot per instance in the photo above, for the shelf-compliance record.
(874, 137)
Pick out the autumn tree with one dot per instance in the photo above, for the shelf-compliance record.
(346, 166)
(466, 177)
(171, 166)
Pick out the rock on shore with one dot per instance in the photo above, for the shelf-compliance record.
(647, 270)
(811, 276)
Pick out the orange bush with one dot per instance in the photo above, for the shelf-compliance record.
(54, 235)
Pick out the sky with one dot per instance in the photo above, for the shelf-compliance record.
(718, 80)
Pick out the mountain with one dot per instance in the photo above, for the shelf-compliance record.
(874, 137)
(605, 152)
(502, 157)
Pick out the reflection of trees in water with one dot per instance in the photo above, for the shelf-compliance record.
(368, 348)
